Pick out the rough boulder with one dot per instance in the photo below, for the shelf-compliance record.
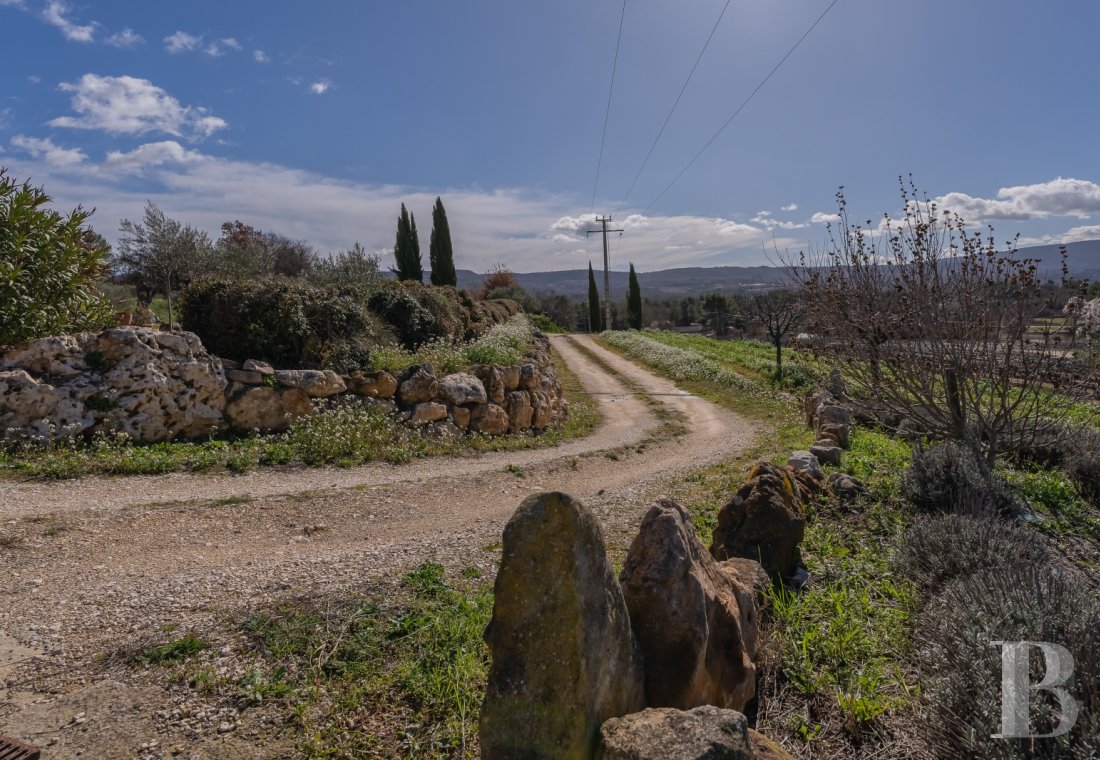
(697, 633)
(564, 659)
(152, 386)
(763, 521)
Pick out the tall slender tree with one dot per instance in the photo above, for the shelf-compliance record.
(634, 302)
(441, 256)
(595, 313)
(406, 249)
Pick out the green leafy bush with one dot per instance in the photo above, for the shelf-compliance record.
(937, 549)
(350, 433)
(407, 307)
(961, 667)
(948, 478)
(49, 266)
(288, 323)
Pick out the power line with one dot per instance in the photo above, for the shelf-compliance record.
(672, 110)
(742, 106)
(607, 113)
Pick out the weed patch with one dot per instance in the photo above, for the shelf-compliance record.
(399, 677)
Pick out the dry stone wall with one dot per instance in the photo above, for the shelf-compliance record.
(157, 386)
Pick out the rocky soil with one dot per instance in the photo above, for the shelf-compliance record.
(98, 569)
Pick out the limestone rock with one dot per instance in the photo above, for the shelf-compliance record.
(542, 412)
(763, 521)
(704, 733)
(493, 381)
(490, 419)
(564, 659)
(528, 377)
(29, 408)
(804, 461)
(827, 452)
(379, 384)
(518, 406)
(315, 382)
(510, 377)
(255, 365)
(428, 411)
(749, 577)
(244, 376)
(256, 409)
(845, 487)
(834, 422)
(460, 416)
(462, 388)
(764, 748)
(698, 639)
(151, 386)
(418, 385)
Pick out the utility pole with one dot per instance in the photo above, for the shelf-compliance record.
(604, 220)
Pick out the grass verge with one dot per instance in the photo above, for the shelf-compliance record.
(837, 653)
(380, 676)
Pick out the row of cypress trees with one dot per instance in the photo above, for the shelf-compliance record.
(596, 320)
(406, 248)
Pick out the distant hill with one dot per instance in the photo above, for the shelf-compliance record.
(1083, 259)
(666, 283)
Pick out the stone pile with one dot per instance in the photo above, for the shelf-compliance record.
(158, 385)
(659, 663)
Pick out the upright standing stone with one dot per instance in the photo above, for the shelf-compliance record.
(564, 659)
(698, 638)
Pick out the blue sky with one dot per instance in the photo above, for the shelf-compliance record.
(317, 120)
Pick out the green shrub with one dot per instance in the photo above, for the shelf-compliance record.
(288, 323)
(49, 266)
(948, 478)
(401, 304)
(937, 549)
(961, 668)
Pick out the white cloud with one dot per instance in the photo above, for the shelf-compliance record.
(127, 38)
(151, 154)
(1058, 197)
(260, 56)
(54, 14)
(34, 79)
(128, 105)
(790, 207)
(12, 4)
(218, 48)
(526, 230)
(767, 221)
(820, 217)
(52, 154)
(320, 87)
(6, 117)
(181, 42)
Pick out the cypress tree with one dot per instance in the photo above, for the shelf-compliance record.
(406, 248)
(595, 314)
(634, 302)
(440, 254)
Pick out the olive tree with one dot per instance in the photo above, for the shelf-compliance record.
(937, 328)
(50, 264)
(159, 254)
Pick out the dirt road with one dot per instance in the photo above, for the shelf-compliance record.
(103, 564)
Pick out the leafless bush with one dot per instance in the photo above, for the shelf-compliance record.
(938, 326)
